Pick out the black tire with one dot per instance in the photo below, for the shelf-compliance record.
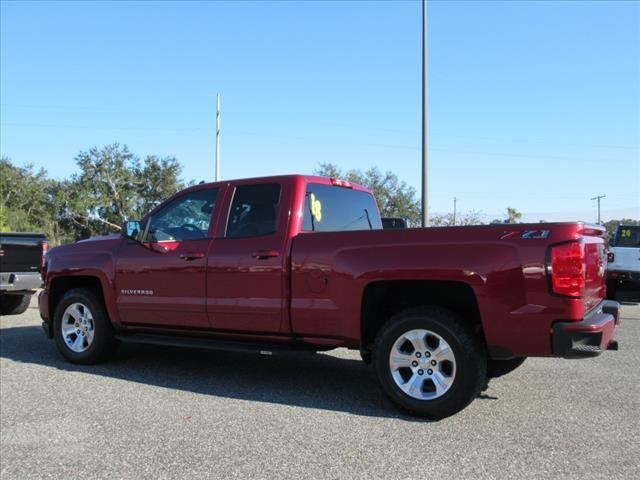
(498, 368)
(466, 345)
(366, 356)
(14, 304)
(103, 344)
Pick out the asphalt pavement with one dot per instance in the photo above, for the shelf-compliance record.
(157, 412)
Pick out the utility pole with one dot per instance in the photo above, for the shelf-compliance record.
(425, 121)
(598, 199)
(455, 201)
(217, 169)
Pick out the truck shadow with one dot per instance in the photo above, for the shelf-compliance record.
(313, 381)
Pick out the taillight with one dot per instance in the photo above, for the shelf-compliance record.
(341, 183)
(568, 269)
(611, 257)
(45, 249)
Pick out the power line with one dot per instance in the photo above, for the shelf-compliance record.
(315, 140)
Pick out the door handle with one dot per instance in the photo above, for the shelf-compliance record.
(191, 256)
(264, 254)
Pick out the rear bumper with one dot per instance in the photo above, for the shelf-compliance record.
(589, 337)
(20, 281)
(624, 278)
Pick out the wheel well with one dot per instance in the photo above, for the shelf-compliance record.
(62, 285)
(381, 300)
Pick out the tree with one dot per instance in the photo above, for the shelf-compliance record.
(105, 185)
(472, 217)
(513, 215)
(27, 200)
(161, 180)
(395, 198)
(113, 186)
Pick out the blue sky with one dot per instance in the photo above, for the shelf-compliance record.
(534, 105)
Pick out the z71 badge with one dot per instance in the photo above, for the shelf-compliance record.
(526, 234)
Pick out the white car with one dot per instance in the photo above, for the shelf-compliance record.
(624, 261)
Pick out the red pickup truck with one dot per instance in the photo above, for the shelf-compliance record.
(302, 263)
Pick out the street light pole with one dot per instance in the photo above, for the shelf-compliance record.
(455, 204)
(217, 169)
(425, 121)
(598, 199)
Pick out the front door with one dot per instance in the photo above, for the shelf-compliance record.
(246, 269)
(161, 282)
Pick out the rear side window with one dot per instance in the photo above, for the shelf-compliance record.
(627, 237)
(254, 210)
(336, 209)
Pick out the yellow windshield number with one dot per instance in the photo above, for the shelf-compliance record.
(625, 233)
(316, 208)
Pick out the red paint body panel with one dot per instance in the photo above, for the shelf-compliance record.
(154, 288)
(89, 258)
(245, 293)
(312, 291)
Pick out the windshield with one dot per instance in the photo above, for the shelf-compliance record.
(627, 236)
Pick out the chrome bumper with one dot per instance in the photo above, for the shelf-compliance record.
(17, 282)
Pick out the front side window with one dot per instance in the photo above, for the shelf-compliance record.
(254, 210)
(336, 209)
(186, 218)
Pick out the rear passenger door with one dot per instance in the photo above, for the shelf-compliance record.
(246, 268)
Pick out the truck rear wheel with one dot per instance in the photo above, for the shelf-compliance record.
(82, 330)
(14, 304)
(429, 362)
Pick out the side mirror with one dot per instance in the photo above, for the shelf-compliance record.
(131, 230)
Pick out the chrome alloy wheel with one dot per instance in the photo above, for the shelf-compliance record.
(77, 327)
(422, 364)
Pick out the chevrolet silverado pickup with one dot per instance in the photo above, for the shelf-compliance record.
(21, 256)
(276, 264)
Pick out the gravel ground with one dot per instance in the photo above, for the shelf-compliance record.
(157, 412)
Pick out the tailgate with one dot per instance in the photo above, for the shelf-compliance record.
(21, 252)
(595, 271)
(625, 259)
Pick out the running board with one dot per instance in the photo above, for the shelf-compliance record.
(210, 344)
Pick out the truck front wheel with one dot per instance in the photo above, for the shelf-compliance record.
(430, 362)
(82, 330)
